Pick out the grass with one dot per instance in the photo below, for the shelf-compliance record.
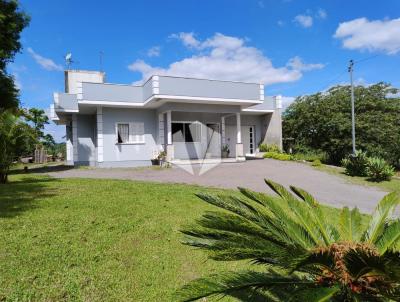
(99, 240)
(391, 186)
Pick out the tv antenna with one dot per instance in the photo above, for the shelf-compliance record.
(68, 60)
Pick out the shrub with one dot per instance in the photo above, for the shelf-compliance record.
(316, 163)
(278, 156)
(269, 148)
(356, 165)
(298, 252)
(378, 169)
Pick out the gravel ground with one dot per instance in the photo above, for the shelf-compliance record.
(329, 189)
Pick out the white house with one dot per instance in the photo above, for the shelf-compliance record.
(112, 125)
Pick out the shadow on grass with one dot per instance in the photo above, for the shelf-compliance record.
(42, 169)
(19, 196)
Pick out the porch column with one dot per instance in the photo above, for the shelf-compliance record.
(239, 145)
(69, 145)
(223, 130)
(99, 119)
(170, 146)
(75, 137)
(161, 138)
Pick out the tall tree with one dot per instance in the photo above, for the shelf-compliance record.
(39, 119)
(12, 22)
(322, 121)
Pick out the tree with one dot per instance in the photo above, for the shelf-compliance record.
(12, 22)
(39, 120)
(322, 121)
(304, 256)
(16, 136)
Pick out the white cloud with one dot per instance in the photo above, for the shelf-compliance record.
(280, 23)
(304, 20)
(187, 39)
(321, 14)
(154, 51)
(297, 63)
(377, 35)
(286, 101)
(45, 63)
(225, 58)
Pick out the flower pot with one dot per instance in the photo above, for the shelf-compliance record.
(155, 162)
(225, 154)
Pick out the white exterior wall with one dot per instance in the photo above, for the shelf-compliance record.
(74, 79)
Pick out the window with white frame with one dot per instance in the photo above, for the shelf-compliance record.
(186, 132)
(130, 133)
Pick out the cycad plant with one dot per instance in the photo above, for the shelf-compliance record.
(298, 255)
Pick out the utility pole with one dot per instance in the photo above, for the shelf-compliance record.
(353, 121)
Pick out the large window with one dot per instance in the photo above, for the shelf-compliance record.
(130, 133)
(186, 132)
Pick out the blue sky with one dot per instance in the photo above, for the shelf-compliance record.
(294, 47)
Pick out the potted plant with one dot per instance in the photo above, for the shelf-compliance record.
(155, 161)
(162, 157)
(225, 151)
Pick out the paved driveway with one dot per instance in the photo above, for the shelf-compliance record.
(327, 188)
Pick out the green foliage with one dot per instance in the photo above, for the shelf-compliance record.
(316, 163)
(269, 148)
(322, 121)
(356, 165)
(278, 156)
(304, 256)
(12, 22)
(15, 137)
(378, 169)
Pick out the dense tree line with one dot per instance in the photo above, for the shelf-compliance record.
(322, 122)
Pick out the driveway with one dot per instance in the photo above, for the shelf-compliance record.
(329, 189)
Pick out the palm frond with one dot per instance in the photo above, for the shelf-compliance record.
(230, 283)
(284, 224)
(361, 262)
(350, 227)
(315, 294)
(300, 211)
(389, 238)
(383, 211)
(328, 232)
(314, 262)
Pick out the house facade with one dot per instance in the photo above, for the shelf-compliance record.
(112, 125)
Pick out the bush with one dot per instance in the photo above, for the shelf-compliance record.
(316, 163)
(378, 169)
(356, 165)
(278, 156)
(269, 148)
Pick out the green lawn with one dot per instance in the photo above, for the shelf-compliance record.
(98, 240)
(391, 186)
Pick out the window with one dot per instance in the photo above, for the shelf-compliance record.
(123, 133)
(130, 133)
(186, 132)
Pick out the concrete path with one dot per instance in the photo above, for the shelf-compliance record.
(327, 188)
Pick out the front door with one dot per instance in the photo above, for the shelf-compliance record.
(248, 140)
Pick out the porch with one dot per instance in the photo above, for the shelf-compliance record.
(197, 136)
